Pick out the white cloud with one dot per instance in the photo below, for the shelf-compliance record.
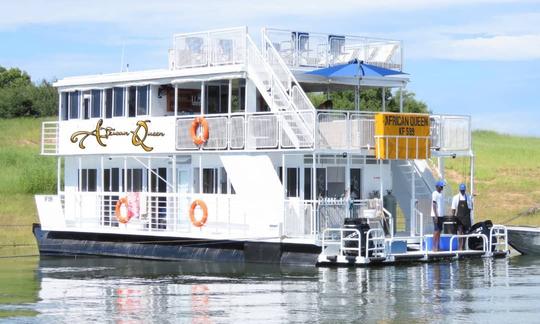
(499, 48)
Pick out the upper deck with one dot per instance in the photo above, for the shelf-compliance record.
(253, 99)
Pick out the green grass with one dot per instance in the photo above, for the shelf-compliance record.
(507, 172)
(24, 173)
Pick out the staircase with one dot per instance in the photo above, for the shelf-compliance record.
(424, 185)
(283, 95)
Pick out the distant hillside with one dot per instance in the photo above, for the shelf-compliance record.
(507, 171)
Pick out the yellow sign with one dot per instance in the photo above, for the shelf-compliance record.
(402, 136)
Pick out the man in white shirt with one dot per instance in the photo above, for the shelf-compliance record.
(437, 213)
(461, 208)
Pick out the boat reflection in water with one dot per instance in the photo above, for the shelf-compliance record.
(101, 289)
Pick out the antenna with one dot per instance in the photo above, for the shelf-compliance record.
(122, 58)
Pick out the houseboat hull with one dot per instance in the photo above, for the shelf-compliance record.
(63, 243)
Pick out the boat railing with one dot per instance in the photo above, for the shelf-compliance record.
(340, 238)
(466, 237)
(335, 130)
(498, 238)
(208, 48)
(49, 138)
(156, 212)
(309, 50)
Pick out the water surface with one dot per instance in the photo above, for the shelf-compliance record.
(138, 291)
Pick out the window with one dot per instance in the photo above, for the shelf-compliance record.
(238, 100)
(142, 100)
(86, 105)
(321, 182)
(293, 183)
(108, 103)
(64, 102)
(134, 180)
(118, 102)
(307, 183)
(210, 181)
(223, 180)
(335, 181)
(132, 97)
(88, 180)
(74, 105)
(356, 183)
(96, 104)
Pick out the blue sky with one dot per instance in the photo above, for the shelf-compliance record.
(474, 57)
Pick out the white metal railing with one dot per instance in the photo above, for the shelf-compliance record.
(484, 238)
(209, 48)
(155, 212)
(49, 138)
(333, 130)
(451, 133)
(301, 49)
(498, 239)
(273, 79)
(377, 238)
(344, 235)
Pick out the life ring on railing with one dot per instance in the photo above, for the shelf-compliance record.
(118, 211)
(202, 221)
(205, 133)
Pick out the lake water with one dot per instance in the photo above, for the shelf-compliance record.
(75, 290)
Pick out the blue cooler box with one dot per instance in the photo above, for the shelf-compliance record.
(444, 244)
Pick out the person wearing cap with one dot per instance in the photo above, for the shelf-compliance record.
(437, 213)
(461, 208)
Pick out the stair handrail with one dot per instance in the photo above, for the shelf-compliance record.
(293, 85)
(292, 78)
(281, 88)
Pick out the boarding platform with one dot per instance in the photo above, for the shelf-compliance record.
(369, 246)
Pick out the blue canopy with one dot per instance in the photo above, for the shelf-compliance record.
(354, 69)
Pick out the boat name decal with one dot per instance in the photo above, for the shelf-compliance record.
(138, 135)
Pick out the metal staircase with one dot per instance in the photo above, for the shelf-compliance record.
(283, 95)
(421, 188)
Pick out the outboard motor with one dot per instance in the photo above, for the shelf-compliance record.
(475, 243)
(360, 225)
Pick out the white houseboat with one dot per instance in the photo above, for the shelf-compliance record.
(223, 157)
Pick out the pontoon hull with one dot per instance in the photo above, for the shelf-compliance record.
(173, 248)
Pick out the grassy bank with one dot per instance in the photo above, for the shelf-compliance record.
(507, 180)
(24, 172)
(507, 171)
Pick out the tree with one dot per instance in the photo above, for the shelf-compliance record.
(20, 97)
(371, 100)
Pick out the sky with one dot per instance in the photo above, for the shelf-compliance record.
(474, 57)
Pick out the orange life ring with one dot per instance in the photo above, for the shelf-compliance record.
(202, 221)
(195, 124)
(118, 213)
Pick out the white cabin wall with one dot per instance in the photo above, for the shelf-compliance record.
(371, 178)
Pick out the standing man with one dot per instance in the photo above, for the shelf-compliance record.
(437, 213)
(461, 208)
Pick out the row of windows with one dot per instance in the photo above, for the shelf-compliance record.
(106, 103)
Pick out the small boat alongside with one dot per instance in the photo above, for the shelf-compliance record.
(525, 239)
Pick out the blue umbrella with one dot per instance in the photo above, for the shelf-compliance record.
(354, 69)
